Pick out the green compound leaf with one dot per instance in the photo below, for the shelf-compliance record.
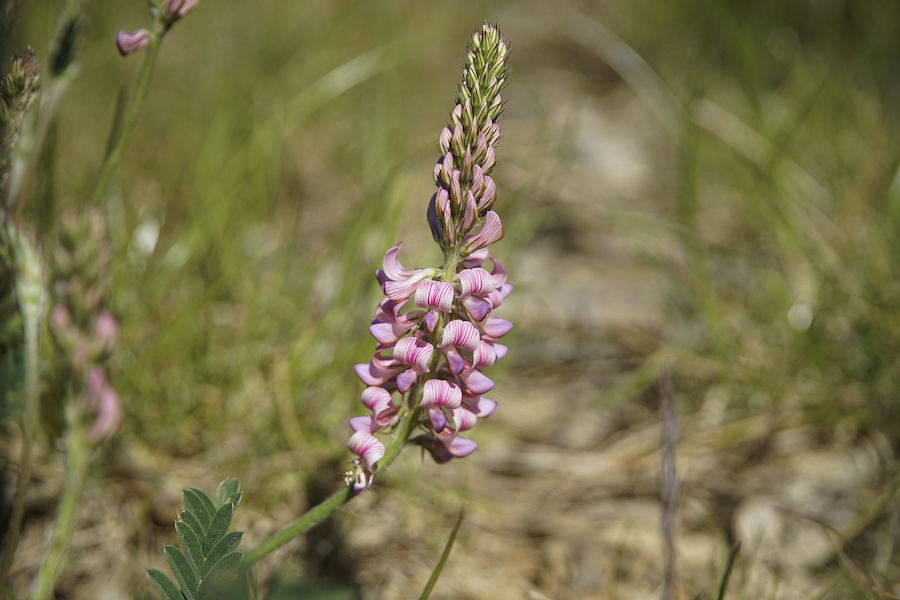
(191, 545)
(199, 505)
(165, 586)
(227, 490)
(220, 550)
(218, 527)
(183, 572)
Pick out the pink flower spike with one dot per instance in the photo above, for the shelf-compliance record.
(435, 294)
(129, 42)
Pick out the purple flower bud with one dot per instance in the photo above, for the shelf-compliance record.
(466, 167)
(470, 213)
(129, 42)
(444, 140)
(456, 143)
(456, 197)
(488, 196)
(447, 170)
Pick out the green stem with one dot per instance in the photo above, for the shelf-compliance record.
(76, 471)
(328, 507)
(136, 106)
(29, 426)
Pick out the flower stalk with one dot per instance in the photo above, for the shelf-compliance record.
(426, 372)
(77, 453)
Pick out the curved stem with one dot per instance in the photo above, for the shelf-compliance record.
(136, 106)
(29, 426)
(329, 506)
(76, 471)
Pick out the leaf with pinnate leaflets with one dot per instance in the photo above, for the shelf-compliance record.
(204, 569)
(165, 586)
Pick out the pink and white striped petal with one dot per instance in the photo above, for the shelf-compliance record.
(438, 392)
(460, 334)
(367, 447)
(415, 352)
(436, 295)
(378, 400)
(475, 282)
(490, 232)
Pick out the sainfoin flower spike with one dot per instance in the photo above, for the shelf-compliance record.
(435, 328)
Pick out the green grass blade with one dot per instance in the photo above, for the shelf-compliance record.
(732, 557)
(432, 581)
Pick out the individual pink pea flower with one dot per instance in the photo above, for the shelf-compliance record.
(438, 396)
(129, 42)
(370, 450)
(435, 295)
(378, 400)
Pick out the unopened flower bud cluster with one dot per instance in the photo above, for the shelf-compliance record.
(439, 346)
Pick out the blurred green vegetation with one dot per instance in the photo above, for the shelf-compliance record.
(286, 145)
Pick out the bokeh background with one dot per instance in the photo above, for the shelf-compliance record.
(701, 186)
